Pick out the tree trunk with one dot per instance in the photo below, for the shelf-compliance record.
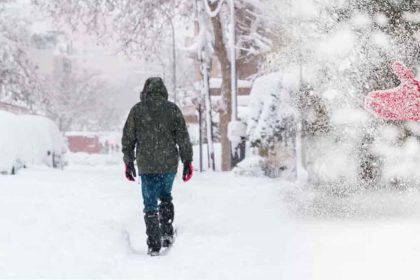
(225, 113)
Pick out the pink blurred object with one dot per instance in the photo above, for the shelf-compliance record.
(398, 104)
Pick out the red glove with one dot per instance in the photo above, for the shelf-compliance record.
(130, 171)
(187, 173)
(400, 103)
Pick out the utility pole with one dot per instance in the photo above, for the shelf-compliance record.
(301, 173)
(299, 146)
(203, 56)
(200, 133)
(171, 23)
(232, 42)
(207, 100)
(2, 91)
(173, 61)
(236, 129)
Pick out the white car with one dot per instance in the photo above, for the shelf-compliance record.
(46, 145)
(10, 143)
(27, 140)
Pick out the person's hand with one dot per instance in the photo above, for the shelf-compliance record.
(130, 171)
(187, 173)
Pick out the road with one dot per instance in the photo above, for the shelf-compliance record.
(87, 222)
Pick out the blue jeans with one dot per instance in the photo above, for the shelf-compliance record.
(154, 187)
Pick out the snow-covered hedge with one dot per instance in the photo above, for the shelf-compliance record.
(272, 122)
(270, 109)
(27, 140)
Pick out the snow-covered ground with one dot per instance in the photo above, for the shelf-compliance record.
(87, 222)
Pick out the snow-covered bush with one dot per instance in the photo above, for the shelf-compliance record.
(272, 122)
(20, 81)
(269, 110)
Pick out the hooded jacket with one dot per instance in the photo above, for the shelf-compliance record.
(156, 129)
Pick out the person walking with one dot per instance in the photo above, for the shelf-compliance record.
(156, 136)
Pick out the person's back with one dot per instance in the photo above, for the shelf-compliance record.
(156, 128)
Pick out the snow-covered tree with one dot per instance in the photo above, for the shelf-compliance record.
(20, 83)
(78, 101)
(143, 29)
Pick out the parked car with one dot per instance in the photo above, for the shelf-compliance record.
(47, 144)
(27, 140)
(10, 143)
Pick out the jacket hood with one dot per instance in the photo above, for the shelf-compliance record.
(154, 88)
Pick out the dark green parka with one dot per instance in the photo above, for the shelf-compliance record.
(156, 129)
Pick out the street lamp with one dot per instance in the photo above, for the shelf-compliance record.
(236, 129)
(171, 23)
(198, 105)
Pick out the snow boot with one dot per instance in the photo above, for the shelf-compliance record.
(166, 218)
(153, 233)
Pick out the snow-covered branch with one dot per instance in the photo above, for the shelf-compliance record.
(215, 12)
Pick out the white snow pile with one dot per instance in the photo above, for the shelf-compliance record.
(205, 157)
(236, 130)
(251, 166)
(194, 132)
(94, 160)
(27, 140)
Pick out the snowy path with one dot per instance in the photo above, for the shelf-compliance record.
(78, 223)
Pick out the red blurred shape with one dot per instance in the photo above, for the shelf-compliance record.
(83, 143)
(398, 104)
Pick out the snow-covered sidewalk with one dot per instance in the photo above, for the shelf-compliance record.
(87, 222)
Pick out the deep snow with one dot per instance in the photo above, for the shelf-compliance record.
(86, 222)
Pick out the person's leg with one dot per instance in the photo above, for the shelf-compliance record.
(166, 209)
(150, 188)
(166, 188)
(150, 192)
